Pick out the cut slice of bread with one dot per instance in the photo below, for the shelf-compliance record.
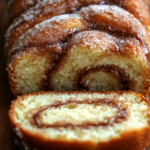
(81, 120)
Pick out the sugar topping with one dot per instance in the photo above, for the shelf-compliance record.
(106, 41)
(93, 40)
(29, 14)
(124, 21)
(24, 4)
(15, 7)
(47, 28)
(49, 31)
(57, 29)
(45, 6)
(49, 8)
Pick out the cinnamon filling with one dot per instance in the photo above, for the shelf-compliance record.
(114, 71)
(120, 115)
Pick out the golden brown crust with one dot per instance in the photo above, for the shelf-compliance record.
(49, 9)
(134, 140)
(57, 31)
(131, 140)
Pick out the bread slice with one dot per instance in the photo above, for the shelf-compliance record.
(81, 120)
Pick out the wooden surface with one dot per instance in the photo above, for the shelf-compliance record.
(6, 139)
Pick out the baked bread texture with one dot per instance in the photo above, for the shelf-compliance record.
(98, 48)
(81, 120)
(46, 9)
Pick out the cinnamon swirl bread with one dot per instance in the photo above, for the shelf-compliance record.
(98, 48)
(81, 120)
(49, 8)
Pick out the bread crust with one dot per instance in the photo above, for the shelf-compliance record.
(131, 140)
(135, 140)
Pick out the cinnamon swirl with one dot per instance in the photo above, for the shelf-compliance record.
(63, 54)
(49, 8)
(81, 120)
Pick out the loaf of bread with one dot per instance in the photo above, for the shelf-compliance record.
(81, 120)
(99, 48)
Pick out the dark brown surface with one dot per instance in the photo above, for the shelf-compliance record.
(6, 142)
(6, 139)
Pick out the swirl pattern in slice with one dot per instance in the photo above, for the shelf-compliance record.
(68, 114)
(66, 120)
(91, 50)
